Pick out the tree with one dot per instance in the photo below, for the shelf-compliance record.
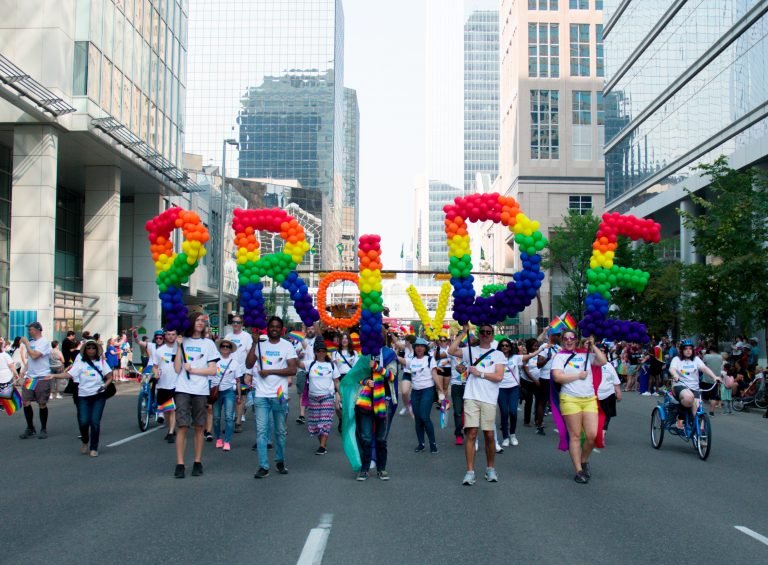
(570, 249)
(707, 302)
(733, 232)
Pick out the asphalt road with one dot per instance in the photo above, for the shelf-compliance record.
(641, 506)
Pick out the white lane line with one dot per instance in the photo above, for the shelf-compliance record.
(314, 547)
(752, 534)
(133, 437)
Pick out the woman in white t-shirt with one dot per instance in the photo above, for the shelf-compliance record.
(93, 376)
(8, 375)
(424, 377)
(509, 388)
(572, 369)
(345, 357)
(685, 370)
(195, 361)
(609, 391)
(228, 369)
(322, 395)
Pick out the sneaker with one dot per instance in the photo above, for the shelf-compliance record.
(321, 451)
(219, 443)
(43, 434)
(167, 437)
(28, 433)
(586, 470)
(197, 469)
(58, 396)
(459, 440)
(581, 478)
(208, 435)
(242, 418)
(362, 476)
(499, 449)
(469, 478)
(262, 473)
(419, 448)
(227, 446)
(491, 476)
(160, 419)
(172, 438)
(281, 468)
(513, 440)
(402, 413)
(383, 475)
(84, 448)
(654, 394)
(646, 393)
(179, 472)
(505, 442)
(301, 420)
(238, 428)
(540, 431)
(94, 453)
(433, 448)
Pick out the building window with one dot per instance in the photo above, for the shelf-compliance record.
(578, 4)
(582, 125)
(543, 5)
(580, 204)
(545, 131)
(543, 50)
(599, 51)
(598, 4)
(579, 50)
(600, 109)
(80, 75)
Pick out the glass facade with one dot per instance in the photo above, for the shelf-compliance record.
(543, 50)
(68, 257)
(130, 58)
(544, 5)
(708, 62)
(579, 50)
(481, 96)
(5, 235)
(545, 124)
(440, 194)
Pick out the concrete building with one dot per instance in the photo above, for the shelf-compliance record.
(552, 118)
(91, 134)
(684, 85)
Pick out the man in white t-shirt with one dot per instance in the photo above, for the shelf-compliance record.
(274, 363)
(164, 371)
(36, 387)
(485, 368)
(243, 342)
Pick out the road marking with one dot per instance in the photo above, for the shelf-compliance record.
(314, 548)
(752, 534)
(133, 437)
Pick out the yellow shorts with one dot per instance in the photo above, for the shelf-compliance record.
(577, 404)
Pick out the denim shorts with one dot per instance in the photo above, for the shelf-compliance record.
(191, 409)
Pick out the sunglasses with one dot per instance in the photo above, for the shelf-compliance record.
(91, 347)
(485, 332)
(237, 322)
(569, 339)
(225, 347)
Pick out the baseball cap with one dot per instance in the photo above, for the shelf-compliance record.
(420, 341)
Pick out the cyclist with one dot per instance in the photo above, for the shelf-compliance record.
(685, 370)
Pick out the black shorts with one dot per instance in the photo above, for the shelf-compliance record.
(677, 389)
(608, 405)
(713, 394)
(163, 395)
(444, 371)
(407, 376)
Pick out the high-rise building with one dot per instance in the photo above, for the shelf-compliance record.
(552, 118)
(350, 226)
(481, 96)
(91, 135)
(269, 73)
(684, 85)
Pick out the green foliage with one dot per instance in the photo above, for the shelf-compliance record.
(707, 302)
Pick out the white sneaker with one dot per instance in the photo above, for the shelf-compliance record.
(491, 476)
(372, 465)
(58, 396)
(513, 440)
(505, 443)
(469, 478)
(499, 449)
(402, 411)
(646, 393)
(655, 394)
(242, 418)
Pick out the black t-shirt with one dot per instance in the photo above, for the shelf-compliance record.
(68, 351)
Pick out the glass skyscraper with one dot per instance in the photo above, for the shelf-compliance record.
(269, 73)
(481, 96)
(685, 83)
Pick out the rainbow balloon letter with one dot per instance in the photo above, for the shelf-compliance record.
(369, 253)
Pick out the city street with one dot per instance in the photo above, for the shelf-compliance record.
(642, 505)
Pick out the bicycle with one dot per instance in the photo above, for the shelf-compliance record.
(147, 405)
(759, 398)
(696, 428)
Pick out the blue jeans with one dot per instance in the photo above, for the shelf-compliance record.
(226, 400)
(508, 400)
(421, 401)
(366, 421)
(270, 413)
(90, 409)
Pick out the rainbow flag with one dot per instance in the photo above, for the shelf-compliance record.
(355, 341)
(30, 383)
(280, 393)
(244, 388)
(12, 404)
(331, 345)
(658, 353)
(569, 321)
(466, 338)
(295, 334)
(167, 406)
(556, 323)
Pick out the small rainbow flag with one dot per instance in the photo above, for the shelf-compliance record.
(244, 388)
(167, 406)
(355, 341)
(658, 353)
(295, 334)
(331, 345)
(569, 321)
(466, 338)
(30, 383)
(555, 323)
(12, 404)
(280, 393)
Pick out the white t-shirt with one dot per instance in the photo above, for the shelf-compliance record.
(338, 358)
(151, 350)
(545, 370)
(273, 356)
(243, 342)
(88, 379)
(455, 374)
(320, 376)
(512, 372)
(445, 360)
(477, 388)
(41, 366)
(163, 360)
(576, 364)
(610, 379)
(198, 352)
(688, 369)
(407, 355)
(421, 372)
(5, 373)
(533, 370)
(309, 350)
(227, 372)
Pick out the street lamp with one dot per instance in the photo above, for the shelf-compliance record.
(223, 230)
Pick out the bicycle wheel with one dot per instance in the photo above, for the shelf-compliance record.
(738, 404)
(704, 436)
(761, 397)
(143, 410)
(657, 428)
